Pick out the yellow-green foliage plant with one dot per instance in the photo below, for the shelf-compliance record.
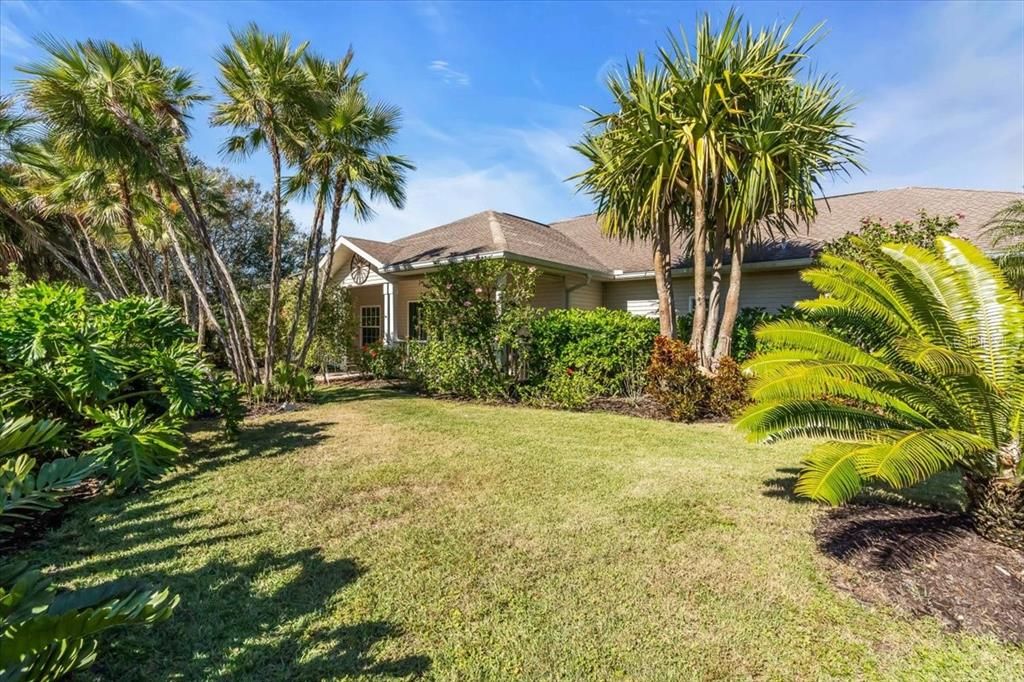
(910, 363)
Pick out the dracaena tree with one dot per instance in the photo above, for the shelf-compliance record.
(638, 173)
(927, 374)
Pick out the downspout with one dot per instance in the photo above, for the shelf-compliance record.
(571, 289)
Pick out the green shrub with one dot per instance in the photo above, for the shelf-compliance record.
(61, 353)
(675, 380)
(569, 389)
(289, 383)
(47, 634)
(476, 316)
(382, 361)
(610, 348)
(456, 369)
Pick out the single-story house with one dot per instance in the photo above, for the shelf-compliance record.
(581, 268)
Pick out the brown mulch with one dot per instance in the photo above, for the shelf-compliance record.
(926, 563)
(27, 533)
(643, 407)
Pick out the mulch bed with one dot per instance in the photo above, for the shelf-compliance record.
(29, 532)
(926, 563)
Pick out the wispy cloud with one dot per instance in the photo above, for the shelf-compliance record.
(432, 16)
(448, 75)
(13, 43)
(956, 120)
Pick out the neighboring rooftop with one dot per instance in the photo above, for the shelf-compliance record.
(579, 243)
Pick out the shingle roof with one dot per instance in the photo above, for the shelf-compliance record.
(578, 242)
(480, 233)
(836, 216)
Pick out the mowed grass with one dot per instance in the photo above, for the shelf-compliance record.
(382, 536)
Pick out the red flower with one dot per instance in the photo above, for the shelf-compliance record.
(570, 371)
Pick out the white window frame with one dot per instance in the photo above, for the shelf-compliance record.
(362, 327)
(410, 336)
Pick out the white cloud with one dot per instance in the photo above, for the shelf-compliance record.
(445, 190)
(958, 120)
(13, 43)
(448, 75)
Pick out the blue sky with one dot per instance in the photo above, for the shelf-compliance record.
(492, 93)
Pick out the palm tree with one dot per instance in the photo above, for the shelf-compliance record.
(355, 140)
(127, 111)
(788, 138)
(267, 96)
(702, 89)
(638, 173)
(757, 144)
(927, 375)
(1006, 229)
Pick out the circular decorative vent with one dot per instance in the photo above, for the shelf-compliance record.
(359, 269)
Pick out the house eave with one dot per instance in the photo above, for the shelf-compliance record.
(755, 266)
(425, 266)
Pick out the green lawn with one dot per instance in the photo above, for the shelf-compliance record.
(383, 535)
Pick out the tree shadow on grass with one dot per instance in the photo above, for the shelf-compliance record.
(783, 486)
(209, 449)
(255, 619)
(272, 613)
(342, 393)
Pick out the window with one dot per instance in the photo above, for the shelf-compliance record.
(369, 324)
(416, 331)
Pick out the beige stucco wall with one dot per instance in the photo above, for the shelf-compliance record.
(364, 296)
(406, 289)
(550, 291)
(586, 296)
(770, 290)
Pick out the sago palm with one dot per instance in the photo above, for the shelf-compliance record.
(1006, 230)
(926, 374)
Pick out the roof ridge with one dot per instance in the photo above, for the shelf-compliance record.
(367, 239)
(497, 234)
(523, 218)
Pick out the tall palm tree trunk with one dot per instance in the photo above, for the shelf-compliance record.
(723, 347)
(715, 294)
(194, 219)
(275, 265)
(90, 252)
(312, 245)
(204, 304)
(224, 283)
(57, 254)
(314, 305)
(663, 278)
(117, 271)
(145, 264)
